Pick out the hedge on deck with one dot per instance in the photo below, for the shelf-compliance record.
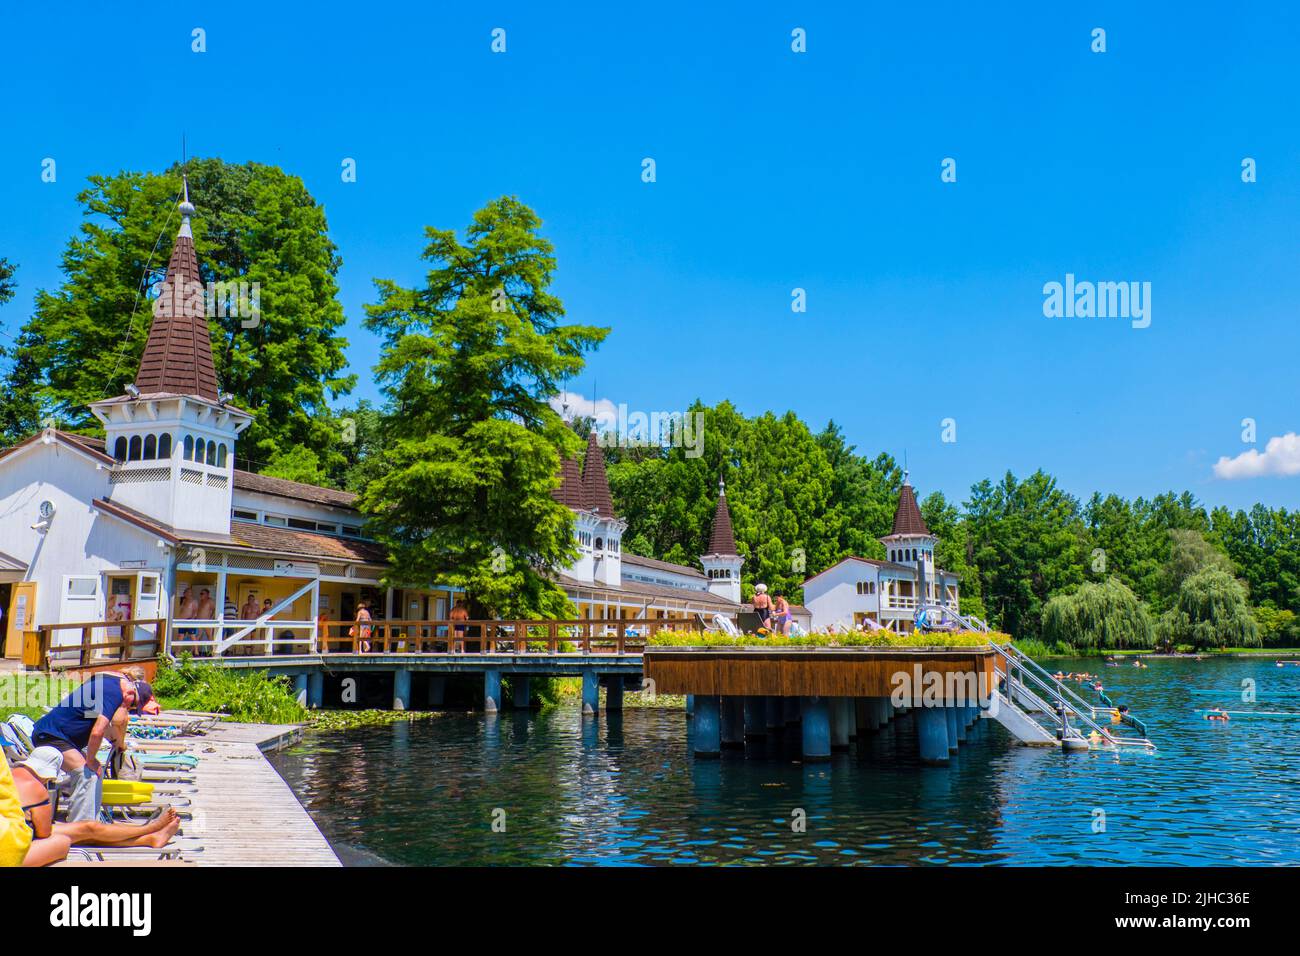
(849, 639)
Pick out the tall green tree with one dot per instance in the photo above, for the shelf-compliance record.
(462, 492)
(1211, 611)
(255, 224)
(1104, 615)
(7, 270)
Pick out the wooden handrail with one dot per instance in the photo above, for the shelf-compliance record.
(453, 636)
(123, 644)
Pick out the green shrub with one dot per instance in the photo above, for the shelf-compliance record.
(244, 694)
(851, 639)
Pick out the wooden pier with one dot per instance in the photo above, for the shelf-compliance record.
(244, 814)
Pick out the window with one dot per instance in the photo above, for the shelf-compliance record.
(351, 531)
(165, 447)
(134, 453)
(189, 448)
(199, 447)
(119, 449)
(600, 544)
(212, 453)
(221, 455)
(275, 521)
(150, 447)
(244, 515)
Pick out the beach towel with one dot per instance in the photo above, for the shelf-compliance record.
(87, 795)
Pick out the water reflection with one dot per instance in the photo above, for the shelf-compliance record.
(624, 789)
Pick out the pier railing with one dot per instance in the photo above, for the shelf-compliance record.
(100, 642)
(236, 638)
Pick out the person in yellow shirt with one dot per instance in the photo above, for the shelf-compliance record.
(15, 835)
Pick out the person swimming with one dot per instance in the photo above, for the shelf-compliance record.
(1217, 713)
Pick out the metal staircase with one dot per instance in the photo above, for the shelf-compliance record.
(1032, 704)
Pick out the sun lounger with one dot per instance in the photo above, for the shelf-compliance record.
(171, 861)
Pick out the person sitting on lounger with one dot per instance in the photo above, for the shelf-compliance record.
(51, 841)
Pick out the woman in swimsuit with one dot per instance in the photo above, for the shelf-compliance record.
(51, 841)
(783, 616)
(763, 607)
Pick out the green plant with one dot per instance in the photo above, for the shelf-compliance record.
(243, 694)
(850, 639)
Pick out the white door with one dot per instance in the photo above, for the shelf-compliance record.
(146, 607)
(81, 602)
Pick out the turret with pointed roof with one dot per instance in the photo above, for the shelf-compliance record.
(177, 357)
(907, 516)
(172, 436)
(595, 482)
(569, 491)
(722, 564)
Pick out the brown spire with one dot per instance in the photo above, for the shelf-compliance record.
(178, 354)
(595, 483)
(722, 540)
(907, 519)
(569, 492)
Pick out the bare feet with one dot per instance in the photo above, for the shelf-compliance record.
(162, 836)
(165, 816)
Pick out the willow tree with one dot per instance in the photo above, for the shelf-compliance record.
(462, 492)
(1211, 611)
(1104, 615)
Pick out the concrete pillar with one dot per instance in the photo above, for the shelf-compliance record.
(755, 717)
(316, 689)
(960, 718)
(299, 685)
(791, 706)
(690, 705)
(707, 730)
(402, 689)
(841, 715)
(732, 715)
(861, 717)
(774, 713)
(872, 708)
(816, 718)
(932, 734)
(614, 692)
(590, 693)
(492, 690)
(950, 716)
(519, 686)
(437, 690)
(884, 711)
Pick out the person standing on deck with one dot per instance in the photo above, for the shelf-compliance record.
(763, 607)
(459, 613)
(783, 616)
(207, 612)
(189, 610)
(362, 626)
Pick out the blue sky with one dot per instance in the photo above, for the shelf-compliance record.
(775, 171)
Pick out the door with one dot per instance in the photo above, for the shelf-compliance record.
(146, 607)
(19, 616)
(81, 602)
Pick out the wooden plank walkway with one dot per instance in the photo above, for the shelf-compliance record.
(244, 813)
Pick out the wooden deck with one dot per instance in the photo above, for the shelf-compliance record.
(244, 813)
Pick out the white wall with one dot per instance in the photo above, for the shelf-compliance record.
(78, 541)
(833, 598)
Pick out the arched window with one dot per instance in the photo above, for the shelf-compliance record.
(600, 544)
(119, 449)
(188, 454)
(198, 450)
(150, 447)
(134, 453)
(165, 447)
(212, 453)
(221, 455)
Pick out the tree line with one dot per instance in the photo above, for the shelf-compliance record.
(455, 466)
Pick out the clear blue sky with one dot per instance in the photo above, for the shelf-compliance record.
(775, 170)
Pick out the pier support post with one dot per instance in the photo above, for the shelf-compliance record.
(402, 689)
(791, 707)
(841, 714)
(437, 690)
(755, 717)
(773, 713)
(960, 719)
(884, 711)
(707, 731)
(732, 713)
(519, 688)
(590, 693)
(690, 705)
(860, 717)
(300, 689)
(815, 713)
(873, 713)
(492, 690)
(932, 734)
(950, 716)
(316, 690)
(614, 692)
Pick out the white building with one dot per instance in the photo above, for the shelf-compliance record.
(129, 526)
(864, 593)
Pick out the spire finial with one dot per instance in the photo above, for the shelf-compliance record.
(722, 487)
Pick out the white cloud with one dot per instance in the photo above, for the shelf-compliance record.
(1281, 456)
(579, 406)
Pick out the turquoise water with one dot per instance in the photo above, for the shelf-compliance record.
(625, 789)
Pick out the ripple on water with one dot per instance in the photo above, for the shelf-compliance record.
(425, 793)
